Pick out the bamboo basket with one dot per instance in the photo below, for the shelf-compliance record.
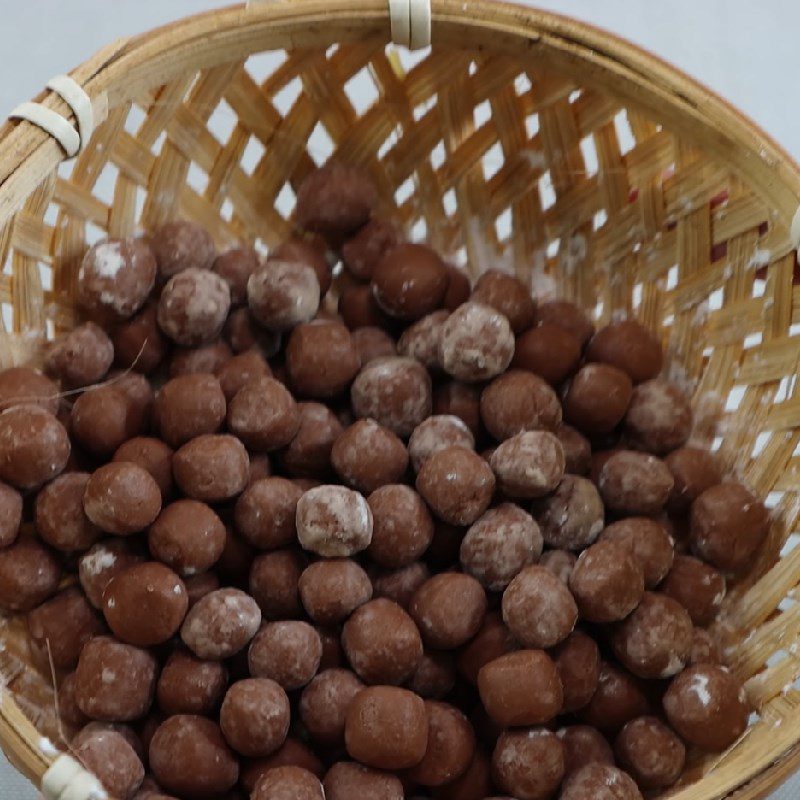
(596, 171)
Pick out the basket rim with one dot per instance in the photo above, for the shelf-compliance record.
(123, 68)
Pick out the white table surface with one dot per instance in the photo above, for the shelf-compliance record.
(746, 51)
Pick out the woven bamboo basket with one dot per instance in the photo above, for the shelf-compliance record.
(596, 171)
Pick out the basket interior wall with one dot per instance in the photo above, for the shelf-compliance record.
(583, 195)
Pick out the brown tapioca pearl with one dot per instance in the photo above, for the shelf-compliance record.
(538, 608)
(372, 343)
(60, 627)
(382, 643)
(559, 562)
(188, 537)
(508, 295)
(458, 288)
(189, 685)
(474, 784)
(29, 574)
(101, 563)
(120, 728)
(698, 587)
(437, 433)
(528, 465)
(206, 359)
(309, 453)
(628, 346)
(365, 249)
(598, 461)
(457, 484)
(451, 746)
(549, 351)
(597, 398)
(310, 251)
(650, 752)
(265, 513)
(189, 756)
(577, 450)
(649, 543)
(399, 585)
(27, 386)
(607, 582)
(584, 745)
(145, 605)
(59, 516)
(321, 359)
(287, 652)
(81, 357)
(140, 396)
(121, 498)
(693, 471)
(180, 245)
(188, 406)
(409, 281)
(568, 316)
(67, 706)
(396, 392)
(659, 417)
(368, 455)
(211, 468)
(359, 309)
(519, 401)
(421, 340)
(528, 763)
(333, 521)
(707, 706)
(434, 677)
(476, 343)
(402, 526)
(291, 783)
(619, 698)
(577, 661)
(151, 455)
(114, 682)
(346, 780)
(460, 400)
(521, 688)
(704, 648)
(283, 294)
(728, 524)
(499, 544)
(242, 333)
(221, 624)
(331, 590)
(655, 641)
(101, 421)
(274, 583)
(235, 266)
(492, 641)
(600, 782)
(335, 200)
(324, 703)
(634, 483)
(34, 446)
(198, 586)
(449, 609)
(193, 307)
(240, 370)
(260, 468)
(572, 517)
(254, 717)
(264, 415)
(291, 753)
(138, 342)
(387, 728)
(111, 759)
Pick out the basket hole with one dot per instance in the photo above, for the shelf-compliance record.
(668, 321)
(575, 94)
(159, 143)
(197, 178)
(450, 202)
(761, 442)
(773, 498)
(262, 65)
(715, 299)
(473, 67)
(752, 340)
(106, 181)
(785, 388)
(734, 398)
(389, 142)
(589, 155)
(46, 276)
(522, 84)
(482, 113)
(8, 317)
(794, 329)
(251, 156)
(493, 160)
(285, 98)
(504, 225)
(419, 230)
(790, 544)
(332, 50)
(425, 106)
(285, 201)
(460, 257)
(362, 91)
(759, 286)
(546, 192)
(226, 211)
(134, 120)
(320, 144)
(636, 296)
(410, 58)
(624, 131)
(532, 125)
(552, 248)
(94, 233)
(222, 121)
(51, 215)
(672, 277)
(404, 191)
(599, 219)
(438, 155)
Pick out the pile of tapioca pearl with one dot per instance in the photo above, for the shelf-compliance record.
(447, 542)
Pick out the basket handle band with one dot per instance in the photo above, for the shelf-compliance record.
(72, 139)
(66, 779)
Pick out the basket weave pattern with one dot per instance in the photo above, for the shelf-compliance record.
(521, 140)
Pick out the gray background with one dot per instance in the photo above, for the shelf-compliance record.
(745, 51)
